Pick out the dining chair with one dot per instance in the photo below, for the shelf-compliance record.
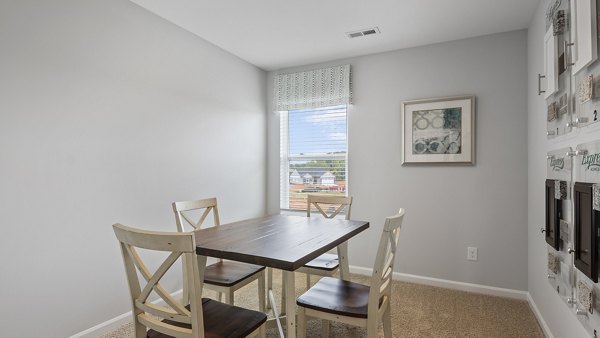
(332, 299)
(224, 276)
(202, 317)
(326, 264)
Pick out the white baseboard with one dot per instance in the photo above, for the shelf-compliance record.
(113, 324)
(106, 327)
(539, 317)
(469, 287)
(448, 284)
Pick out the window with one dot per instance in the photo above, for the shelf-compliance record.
(313, 155)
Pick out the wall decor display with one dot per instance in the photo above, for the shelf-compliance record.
(557, 229)
(553, 215)
(585, 89)
(553, 263)
(587, 162)
(563, 105)
(559, 22)
(559, 117)
(558, 187)
(551, 11)
(586, 195)
(439, 131)
(587, 107)
(583, 51)
(551, 62)
(585, 231)
(571, 87)
(559, 165)
(552, 112)
(565, 231)
(583, 34)
(585, 296)
(555, 81)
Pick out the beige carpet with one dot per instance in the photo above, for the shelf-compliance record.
(418, 311)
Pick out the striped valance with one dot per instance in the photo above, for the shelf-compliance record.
(314, 88)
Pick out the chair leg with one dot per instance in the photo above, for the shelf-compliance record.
(261, 292)
(387, 322)
(269, 286)
(140, 329)
(283, 292)
(301, 322)
(229, 297)
(372, 328)
(262, 331)
(324, 328)
(307, 281)
(344, 268)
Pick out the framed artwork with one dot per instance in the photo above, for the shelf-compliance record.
(439, 131)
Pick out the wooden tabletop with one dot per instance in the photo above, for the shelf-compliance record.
(279, 241)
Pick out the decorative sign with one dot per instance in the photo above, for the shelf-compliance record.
(559, 165)
(587, 162)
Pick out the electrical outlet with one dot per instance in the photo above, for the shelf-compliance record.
(472, 253)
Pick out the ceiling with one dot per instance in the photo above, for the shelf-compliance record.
(276, 34)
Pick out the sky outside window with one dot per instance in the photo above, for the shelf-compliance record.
(321, 130)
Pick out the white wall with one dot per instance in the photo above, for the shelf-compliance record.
(108, 114)
(448, 208)
(560, 320)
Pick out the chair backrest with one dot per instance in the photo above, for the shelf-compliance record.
(180, 208)
(183, 216)
(329, 206)
(179, 244)
(381, 279)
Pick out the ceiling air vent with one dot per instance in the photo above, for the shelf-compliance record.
(363, 32)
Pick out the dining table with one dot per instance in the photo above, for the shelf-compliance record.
(284, 242)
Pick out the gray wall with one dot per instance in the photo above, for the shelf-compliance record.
(560, 320)
(448, 208)
(108, 114)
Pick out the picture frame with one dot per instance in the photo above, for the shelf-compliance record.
(439, 131)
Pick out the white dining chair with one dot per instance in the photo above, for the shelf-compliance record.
(224, 276)
(328, 263)
(332, 299)
(202, 317)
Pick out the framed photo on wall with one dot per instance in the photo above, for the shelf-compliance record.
(439, 131)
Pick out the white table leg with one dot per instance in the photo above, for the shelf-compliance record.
(342, 250)
(290, 295)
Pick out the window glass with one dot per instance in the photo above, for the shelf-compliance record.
(314, 150)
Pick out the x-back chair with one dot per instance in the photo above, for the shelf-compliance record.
(326, 264)
(202, 317)
(224, 276)
(344, 301)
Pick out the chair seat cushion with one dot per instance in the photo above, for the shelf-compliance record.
(229, 273)
(222, 320)
(337, 296)
(326, 261)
